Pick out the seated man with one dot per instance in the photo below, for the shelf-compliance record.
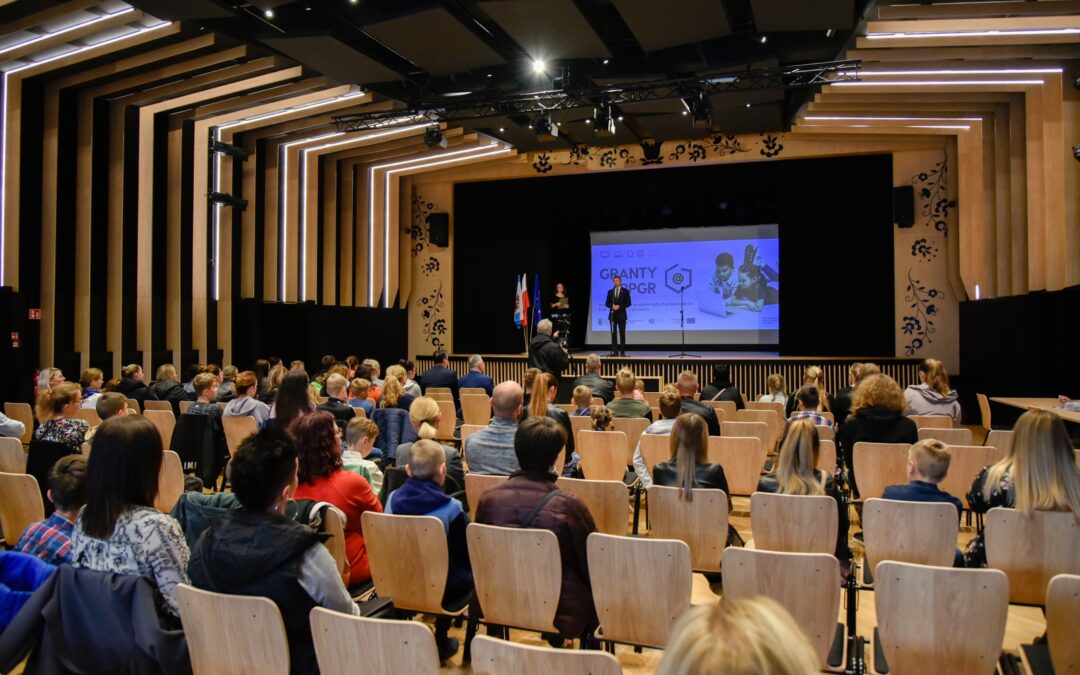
(476, 376)
(670, 407)
(583, 400)
(359, 389)
(10, 427)
(422, 495)
(206, 390)
(687, 384)
(50, 539)
(109, 404)
(808, 401)
(491, 450)
(255, 550)
(336, 390)
(360, 436)
(625, 405)
(591, 379)
(515, 504)
(928, 464)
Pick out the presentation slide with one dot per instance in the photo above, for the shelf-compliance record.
(726, 281)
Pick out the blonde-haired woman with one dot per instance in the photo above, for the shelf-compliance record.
(56, 409)
(877, 416)
(796, 474)
(425, 415)
(542, 404)
(688, 467)
(1040, 475)
(776, 385)
(48, 378)
(734, 637)
(933, 395)
(816, 376)
(394, 396)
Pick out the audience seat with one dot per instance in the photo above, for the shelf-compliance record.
(921, 533)
(346, 645)
(1063, 622)
(12, 456)
(234, 634)
(794, 523)
(156, 405)
(88, 414)
(25, 414)
(966, 462)
(334, 525)
(1032, 550)
(827, 456)
(237, 428)
(725, 410)
(879, 465)
(702, 523)
(643, 612)
(500, 656)
(170, 482)
(743, 458)
(165, 423)
(766, 417)
(655, 449)
(20, 505)
(603, 454)
(1000, 439)
(758, 430)
(476, 484)
(476, 408)
(185, 406)
(633, 427)
(447, 422)
(605, 499)
(825, 432)
(932, 421)
(579, 423)
(958, 436)
(134, 405)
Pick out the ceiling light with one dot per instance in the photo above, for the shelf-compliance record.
(831, 32)
(620, 118)
(268, 13)
(747, 105)
(974, 33)
(502, 129)
(974, 71)
(764, 39)
(353, 2)
(539, 66)
(923, 83)
(489, 74)
(605, 61)
(685, 113)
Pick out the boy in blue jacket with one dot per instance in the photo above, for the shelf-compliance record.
(928, 464)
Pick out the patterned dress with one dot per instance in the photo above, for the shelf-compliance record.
(144, 542)
(70, 431)
(1000, 495)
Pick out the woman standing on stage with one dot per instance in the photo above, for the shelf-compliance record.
(560, 313)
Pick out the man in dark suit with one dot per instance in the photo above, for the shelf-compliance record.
(618, 299)
(688, 386)
(476, 377)
(440, 375)
(591, 379)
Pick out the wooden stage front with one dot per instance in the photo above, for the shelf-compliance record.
(748, 369)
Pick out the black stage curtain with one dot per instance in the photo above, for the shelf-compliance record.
(836, 243)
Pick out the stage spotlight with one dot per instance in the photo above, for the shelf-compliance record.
(433, 138)
(604, 122)
(539, 66)
(701, 111)
(830, 32)
(268, 13)
(764, 39)
(545, 130)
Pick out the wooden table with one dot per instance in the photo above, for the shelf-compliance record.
(1048, 404)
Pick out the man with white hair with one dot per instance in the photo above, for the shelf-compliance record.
(545, 353)
(476, 376)
(591, 379)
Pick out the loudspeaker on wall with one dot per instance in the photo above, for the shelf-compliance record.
(439, 229)
(903, 206)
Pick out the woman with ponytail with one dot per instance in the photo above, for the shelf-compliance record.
(425, 416)
(56, 409)
(393, 395)
(541, 404)
(688, 467)
(933, 395)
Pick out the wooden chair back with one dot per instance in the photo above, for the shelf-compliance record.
(644, 612)
(605, 499)
(88, 414)
(794, 523)
(360, 412)
(346, 645)
(1000, 439)
(164, 422)
(565, 407)
(1062, 615)
(1032, 550)
(768, 418)
(438, 391)
(409, 559)
(185, 406)
(921, 533)
(237, 428)
(157, 405)
(236, 634)
(655, 448)
(932, 421)
(134, 405)
(742, 459)
(775, 406)
(596, 400)
(20, 504)
(727, 409)
(12, 456)
(334, 525)
(491, 656)
(939, 619)
(758, 430)
(441, 396)
(476, 408)
(23, 413)
(958, 436)
(579, 423)
(826, 460)
(805, 584)
(603, 454)
(652, 398)
(518, 575)
(984, 412)
(829, 416)
(170, 482)
(879, 465)
(462, 391)
(966, 462)
(702, 523)
(825, 432)
(476, 484)
(445, 430)
(633, 427)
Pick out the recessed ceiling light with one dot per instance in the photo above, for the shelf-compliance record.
(685, 113)
(605, 61)
(831, 32)
(588, 121)
(489, 74)
(764, 39)
(501, 129)
(268, 13)
(747, 105)
(620, 118)
(539, 66)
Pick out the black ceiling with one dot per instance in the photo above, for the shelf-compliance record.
(405, 49)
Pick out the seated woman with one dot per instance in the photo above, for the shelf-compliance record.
(324, 479)
(425, 416)
(541, 404)
(795, 475)
(119, 530)
(256, 550)
(1040, 475)
(132, 384)
(813, 376)
(245, 404)
(92, 381)
(775, 383)
(933, 395)
(877, 416)
(270, 387)
(56, 409)
(394, 396)
(688, 469)
(167, 387)
(293, 401)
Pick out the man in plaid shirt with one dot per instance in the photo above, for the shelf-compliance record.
(809, 399)
(50, 539)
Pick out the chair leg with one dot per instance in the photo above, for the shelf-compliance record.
(470, 633)
(637, 508)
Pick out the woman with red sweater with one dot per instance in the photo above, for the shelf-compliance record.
(323, 478)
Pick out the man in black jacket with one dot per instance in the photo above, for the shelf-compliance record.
(440, 375)
(336, 390)
(545, 353)
(591, 379)
(688, 386)
(618, 299)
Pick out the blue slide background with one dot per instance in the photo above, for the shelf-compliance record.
(648, 270)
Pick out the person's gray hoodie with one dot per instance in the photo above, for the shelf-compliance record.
(922, 400)
(238, 407)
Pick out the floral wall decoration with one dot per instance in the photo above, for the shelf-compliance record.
(932, 188)
(429, 307)
(434, 325)
(542, 164)
(417, 231)
(770, 146)
(918, 324)
(650, 154)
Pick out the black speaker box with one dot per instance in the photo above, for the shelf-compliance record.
(439, 229)
(903, 206)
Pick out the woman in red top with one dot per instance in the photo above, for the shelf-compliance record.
(323, 479)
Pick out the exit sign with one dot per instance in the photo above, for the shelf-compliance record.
(35, 314)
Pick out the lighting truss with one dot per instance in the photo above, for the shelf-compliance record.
(496, 103)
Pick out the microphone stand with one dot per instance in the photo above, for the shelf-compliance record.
(682, 329)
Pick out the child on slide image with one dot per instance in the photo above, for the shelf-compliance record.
(721, 281)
